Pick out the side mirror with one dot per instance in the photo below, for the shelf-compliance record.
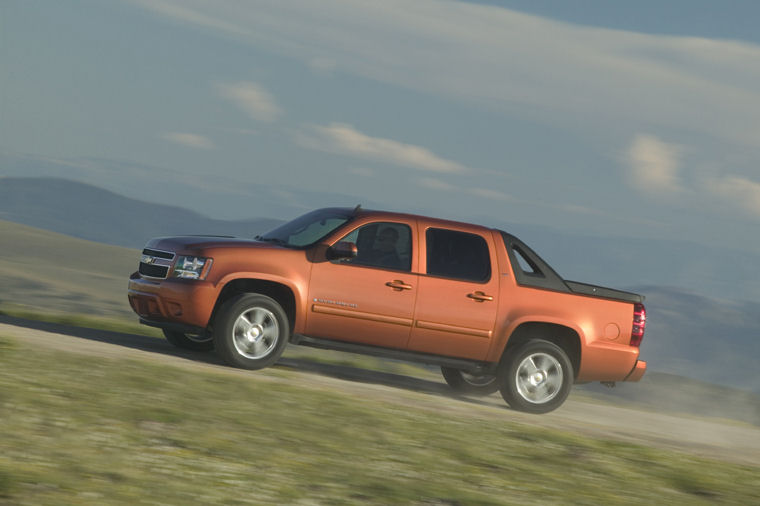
(342, 251)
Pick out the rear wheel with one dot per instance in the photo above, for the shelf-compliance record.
(467, 383)
(536, 377)
(251, 331)
(195, 342)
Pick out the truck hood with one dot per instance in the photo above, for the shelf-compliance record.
(190, 243)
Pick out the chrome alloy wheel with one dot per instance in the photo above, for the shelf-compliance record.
(539, 378)
(255, 333)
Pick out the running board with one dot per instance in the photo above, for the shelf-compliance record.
(474, 366)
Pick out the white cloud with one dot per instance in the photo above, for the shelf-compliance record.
(346, 140)
(435, 184)
(738, 191)
(253, 99)
(362, 171)
(176, 10)
(556, 71)
(439, 185)
(239, 131)
(190, 140)
(654, 165)
(322, 65)
(488, 193)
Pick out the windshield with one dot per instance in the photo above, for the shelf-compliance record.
(308, 229)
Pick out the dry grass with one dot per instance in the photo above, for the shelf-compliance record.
(78, 430)
(56, 273)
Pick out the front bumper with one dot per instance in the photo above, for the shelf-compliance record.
(172, 301)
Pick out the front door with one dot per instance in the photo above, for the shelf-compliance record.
(368, 299)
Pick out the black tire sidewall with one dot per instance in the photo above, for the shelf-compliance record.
(225, 321)
(180, 340)
(460, 385)
(508, 386)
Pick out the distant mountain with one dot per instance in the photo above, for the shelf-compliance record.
(87, 212)
(713, 340)
(209, 194)
(720, 270)
(716, 270)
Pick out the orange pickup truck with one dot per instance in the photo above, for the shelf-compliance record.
(473, 300)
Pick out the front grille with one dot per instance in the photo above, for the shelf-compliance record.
(153, 271)
(155, 263)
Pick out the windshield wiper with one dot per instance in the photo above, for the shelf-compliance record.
(275, 240)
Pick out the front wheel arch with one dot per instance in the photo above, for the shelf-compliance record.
(279, 292)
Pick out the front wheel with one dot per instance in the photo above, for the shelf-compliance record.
(195, 342)
(251, 331)
(536, 377)
(470, 384)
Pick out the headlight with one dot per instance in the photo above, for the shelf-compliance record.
(188, 267)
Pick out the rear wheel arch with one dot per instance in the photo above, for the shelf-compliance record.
(279, 292)
(561, 335)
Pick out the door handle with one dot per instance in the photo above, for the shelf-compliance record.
(480, 296)
(398, 285)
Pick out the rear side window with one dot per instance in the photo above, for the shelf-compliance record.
(525, 263)
(457, 255)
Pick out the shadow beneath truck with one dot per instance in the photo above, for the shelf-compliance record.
(126, 340)
(306, 365)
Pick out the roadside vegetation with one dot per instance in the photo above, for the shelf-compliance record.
(111, 324)
(78, 430)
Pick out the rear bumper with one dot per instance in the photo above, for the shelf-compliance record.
(637, 372)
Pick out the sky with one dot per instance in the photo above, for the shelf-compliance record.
(633, 119)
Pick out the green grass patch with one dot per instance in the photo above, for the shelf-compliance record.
(84, 430)
(6, 484)
(112, 324)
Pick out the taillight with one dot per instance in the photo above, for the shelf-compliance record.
(639, 324)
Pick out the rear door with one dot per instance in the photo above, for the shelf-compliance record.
(368, 299)
(457, 301)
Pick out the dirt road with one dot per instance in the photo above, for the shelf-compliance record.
(725, 440)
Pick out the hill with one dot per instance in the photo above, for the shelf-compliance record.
(88, 212)
(710, 339)
(718, 270)
(52, 272)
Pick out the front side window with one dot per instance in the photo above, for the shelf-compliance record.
(382, 244)
(458, 255)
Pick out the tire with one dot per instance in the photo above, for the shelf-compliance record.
(251, 331)
(536, 377)
(470, 384)
(195, 342)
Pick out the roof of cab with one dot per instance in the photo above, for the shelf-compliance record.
(372, 213)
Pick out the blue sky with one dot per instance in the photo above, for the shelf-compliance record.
(594, 117)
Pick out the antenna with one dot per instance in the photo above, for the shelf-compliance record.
(357, 209)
